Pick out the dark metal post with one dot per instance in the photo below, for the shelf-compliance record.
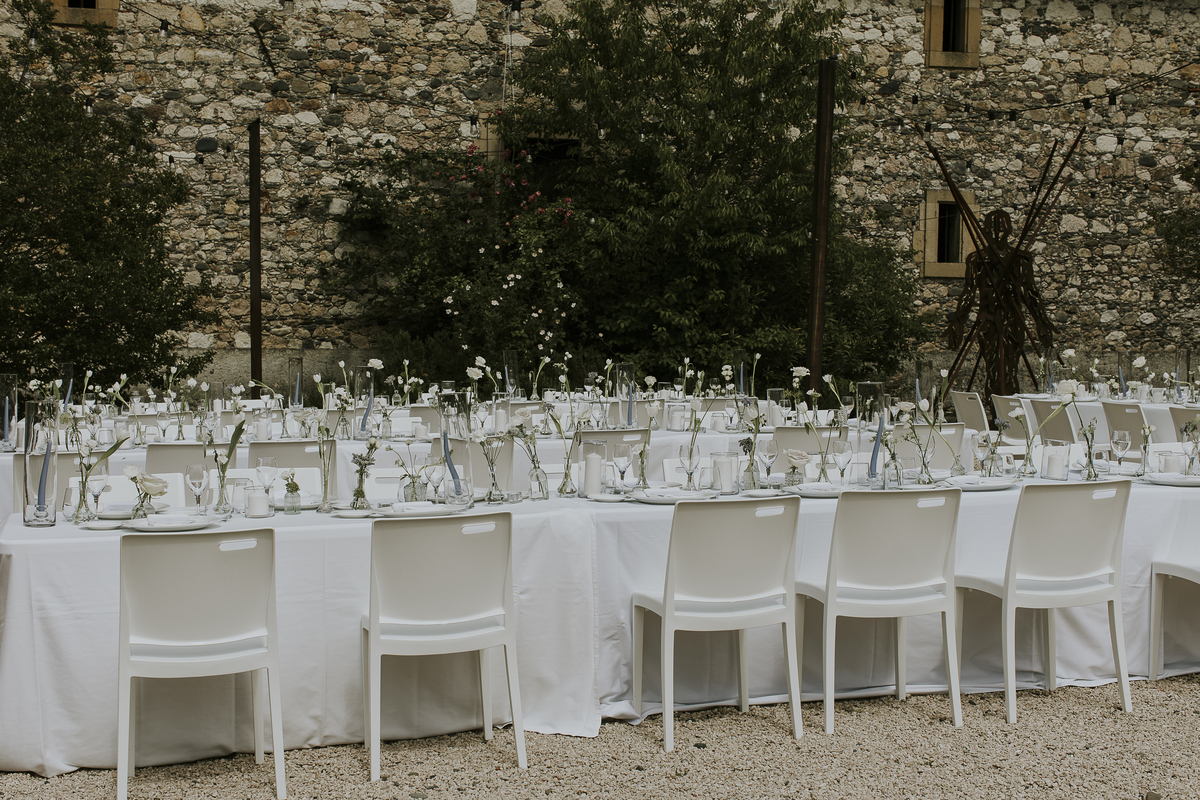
(256, 371)
(823, 169)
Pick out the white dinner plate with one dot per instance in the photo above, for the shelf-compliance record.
(425, 509)
(101, 525)
(761, 493)
(608, 498)
(913, 487)
(169, 524)
(817, 490)
(969, 483)
(661, 497)
(353, 513)
(1172, 479)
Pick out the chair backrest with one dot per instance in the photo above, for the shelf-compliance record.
(641, 413)
(477, 463)
(151, 420)
(1005, 405)
(1068, 531)
(435, 570)
(798, 437)
(949, 434)
(1180, 416)
(1125, 417)
(172, 457)
(894, 540)
(66, 464)
(383, 484)
(203, 588)
(636, 437)
(428, 415)
(293, 453)
(1060, 428)
(736, 550)
(968, 408)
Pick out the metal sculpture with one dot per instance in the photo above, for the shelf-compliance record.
(1000, 293)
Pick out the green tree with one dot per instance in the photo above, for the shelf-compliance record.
(682, 139)
(84, 274)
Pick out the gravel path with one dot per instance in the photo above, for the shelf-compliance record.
(1072, 743)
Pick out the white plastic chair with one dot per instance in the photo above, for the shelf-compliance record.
(952, 434)
(477, 463)
(441, 585)
(198, 604)
(1005, 405)
(797, 437)
(891, 557)
(730, 566)
(1179, 417)
(635, 437)
(1060, 428)
(1065, 551)
(1126, 417)
(1182, 562)
(165, 457)
(968, 408)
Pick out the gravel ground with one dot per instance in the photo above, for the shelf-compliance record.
(1072, 743)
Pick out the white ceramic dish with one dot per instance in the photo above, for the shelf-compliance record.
(101, 525)
(660, 497)
(353, 513)
(608, 498)
(170, 524)
(981, 484)
(415, 510)
(1172, 479)
(125, 509)
(761, 493)
(817, 490)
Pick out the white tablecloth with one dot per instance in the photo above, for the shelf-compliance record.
(576, 564)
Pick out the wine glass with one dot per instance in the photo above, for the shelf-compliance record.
(196, 476)
(267, 472)
(690, 458)
(1119, 441)
(766, 453)
(163, 418)
(843, 453)
(731, 411)
(622, 458)
(96, 483)
(981, 443)
(435, 469)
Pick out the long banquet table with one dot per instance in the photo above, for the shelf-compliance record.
(576, 564)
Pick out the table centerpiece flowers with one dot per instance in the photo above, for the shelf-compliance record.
(222, 460)
(362, 464)
(525, 436)
(148, 487)
(83, 511)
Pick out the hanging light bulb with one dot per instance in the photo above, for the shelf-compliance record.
(87, 105)
(333, 92)
(514, 14)
(33, 40)
(773, 4)
(163, 29)
(603, 131)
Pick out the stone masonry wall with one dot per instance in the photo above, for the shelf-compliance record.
(1096, 260)
(429, 65)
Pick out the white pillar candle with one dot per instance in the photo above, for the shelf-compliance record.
(420, 430)
(676, 420)
(723, 474)
(593, 472)
(501, 420)
(1056, 467)
(262, 430)
(258, 504)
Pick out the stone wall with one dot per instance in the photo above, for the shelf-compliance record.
(1096, 261)
(429, 66)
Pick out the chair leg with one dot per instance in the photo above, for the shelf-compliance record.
(366, 690)
(638, 622)
(829, 637)
(800, 642)
(743, 673)
(277, 748)
(1117, 627)
(960, 596)
(485, 690)
(791, 662)
(125, 743)
(668, 687)
(901, 677)
(950, 639)
(133, 726)
(374, 667)
(1051, 658)
(1157, 582)
(1008, 653)
(258, 698)
(514, 700)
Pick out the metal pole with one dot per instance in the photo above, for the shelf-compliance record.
(256, 371)
(823, 169)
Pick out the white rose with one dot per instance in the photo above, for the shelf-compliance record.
(650, 381)
(695, 404)
(480, 361)
(132, 472)
(751, 412)
(152, 485)
(1139, 362)
(1068, 353)
(375, 363)
(800, 372)
(474, 374)
(191, 383)
(797, 458)
(1017, 413)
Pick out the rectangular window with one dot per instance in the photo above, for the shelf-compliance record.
(952, 33)
(949, 234)
(941, 240)
(77, 12)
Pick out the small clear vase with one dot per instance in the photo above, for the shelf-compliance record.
(822, 469)
(143, 507)
(495, 497)
(893, 474)
(567, 487)
(83, 511)
(793, 477)
(750, 476)
(223, 507)
(1089, 464)
(360, 501)
(924, 476)
(539, 484)
(1143, 467)
(291, 503)
(342, 429)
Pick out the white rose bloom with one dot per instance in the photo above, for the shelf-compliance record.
(1017, 413)
(800, 372)
(375, 363)
(474, 374)
(152, 485)
(751, 412)
(1068, 353)
(906, 406)
(695, 404)
(132, 472)
(191, 382)
(797, 458)
(1139, 362)
(480, 361)
(650, 381)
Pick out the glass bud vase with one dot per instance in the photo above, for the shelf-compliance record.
(143, 507)
(223, 507)
(38, 498)
(567, 487)
(291, 503)
(539, 484)
(793, 477)
(893, 474)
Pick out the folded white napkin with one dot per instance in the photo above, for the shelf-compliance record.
(408, 508)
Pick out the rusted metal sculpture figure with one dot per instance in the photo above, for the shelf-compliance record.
(999, 293)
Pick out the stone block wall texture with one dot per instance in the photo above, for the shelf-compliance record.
(410, 75)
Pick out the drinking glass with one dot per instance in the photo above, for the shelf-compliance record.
(1119, 440)
(96, 483)
(106, 438)
(689, 457)
(622, 458)
(766, 453)
(731, 411)
(459, 494)
(267, 472)
(196, 476)
(842, 453)
(435, 470)
(163, 418)
(981, 443)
